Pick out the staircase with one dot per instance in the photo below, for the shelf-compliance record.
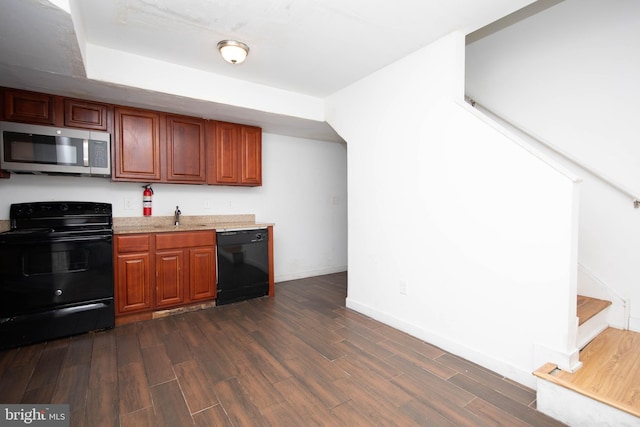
(605, 391)
(592, 315)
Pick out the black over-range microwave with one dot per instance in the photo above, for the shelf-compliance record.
(49, 150)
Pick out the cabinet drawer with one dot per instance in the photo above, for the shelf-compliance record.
(185, 239)
(132, 243)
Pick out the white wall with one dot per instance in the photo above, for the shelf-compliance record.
(304, 193)
(477, 229)
(569, 75)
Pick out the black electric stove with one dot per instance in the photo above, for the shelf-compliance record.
(56, 271)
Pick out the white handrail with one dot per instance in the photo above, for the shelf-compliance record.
(599, 175)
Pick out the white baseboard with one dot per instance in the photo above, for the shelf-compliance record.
(567, 361)
(310, 273)
(506, 369)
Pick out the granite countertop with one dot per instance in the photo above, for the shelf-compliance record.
(163, 224)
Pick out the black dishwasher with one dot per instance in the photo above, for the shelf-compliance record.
(243, 265)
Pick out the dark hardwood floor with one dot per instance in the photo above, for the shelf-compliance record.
(298, 359)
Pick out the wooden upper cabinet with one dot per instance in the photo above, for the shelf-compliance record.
(186, 147)
(86, 115)
(137, 145)
(150, 146)
(251, 156)
(52, 110)
(226, 153)
(30, 107)
(238, 155)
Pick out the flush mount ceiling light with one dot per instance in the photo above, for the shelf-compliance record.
(233, 51)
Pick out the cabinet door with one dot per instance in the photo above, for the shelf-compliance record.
(29, 107)
(226, 142)
(169, 278)
(185, 150)
(251, 156)
(133, 285)
(86, 115)
(202, 273)
(137, 145)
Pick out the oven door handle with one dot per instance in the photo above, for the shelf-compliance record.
(83, 239)
(66, 239)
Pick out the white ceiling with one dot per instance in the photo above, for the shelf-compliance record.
(310, 48)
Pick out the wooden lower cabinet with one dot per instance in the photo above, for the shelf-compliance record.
(164, 270)
(132, 273)
(169, 278)
(134, 284)
(202, 282)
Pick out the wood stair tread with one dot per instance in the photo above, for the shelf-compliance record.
(589, 307)
(610, 371)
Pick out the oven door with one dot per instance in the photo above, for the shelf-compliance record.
(40, 273)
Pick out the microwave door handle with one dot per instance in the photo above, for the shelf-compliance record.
(85, 152)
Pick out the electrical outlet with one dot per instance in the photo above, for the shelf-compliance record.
(404, 288)
(128, 204)
(207, 204)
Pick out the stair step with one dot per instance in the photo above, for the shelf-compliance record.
(610, 371)
(589, 307)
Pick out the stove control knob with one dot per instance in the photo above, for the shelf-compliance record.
(64, 207)
(58, 292)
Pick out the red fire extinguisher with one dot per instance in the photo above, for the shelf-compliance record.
(146, 200)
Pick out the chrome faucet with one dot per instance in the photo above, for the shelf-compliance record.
(176, 216)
